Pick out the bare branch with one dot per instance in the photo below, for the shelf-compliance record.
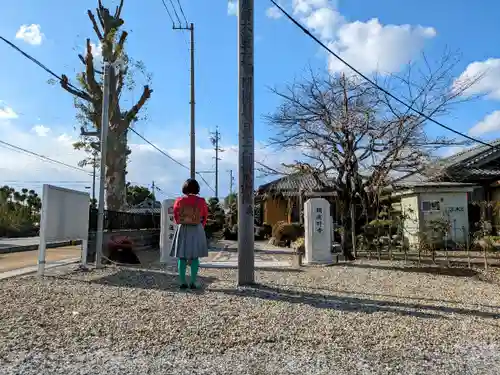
(119, 46)
(78, 93)
(132, 113)
(94, 25)
(90, 73)
(119, 8)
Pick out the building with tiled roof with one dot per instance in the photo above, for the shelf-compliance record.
(477, 167)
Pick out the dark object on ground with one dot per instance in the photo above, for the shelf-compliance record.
(228, 234)
(120, 250)
(265, 231)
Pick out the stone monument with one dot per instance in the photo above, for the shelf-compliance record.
(317, 231)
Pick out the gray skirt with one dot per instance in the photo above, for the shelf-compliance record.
(189, 242)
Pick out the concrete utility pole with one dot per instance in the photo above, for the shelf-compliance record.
(192, 102)
(102, 180)
(94, 161)
(246, 274)
(215, 138)
(231, 181)
(97, 147)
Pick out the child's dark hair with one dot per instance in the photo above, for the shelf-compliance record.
(191, 186)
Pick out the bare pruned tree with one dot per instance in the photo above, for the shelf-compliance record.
(88, 100)
(358, 136)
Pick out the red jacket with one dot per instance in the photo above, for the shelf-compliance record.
(191, 200)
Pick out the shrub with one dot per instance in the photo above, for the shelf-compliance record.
(210, 228)
(263, 232)
(230, 233)
(299, 229)
(277, 227)
(267, 230)
(299, 245)
(286, 232)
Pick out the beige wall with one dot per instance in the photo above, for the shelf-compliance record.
(275, 210)
(453, 208)
(410, 211)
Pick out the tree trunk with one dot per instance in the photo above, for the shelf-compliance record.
(116, 164)
(347, 234)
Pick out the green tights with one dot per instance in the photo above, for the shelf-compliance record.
(182, 265)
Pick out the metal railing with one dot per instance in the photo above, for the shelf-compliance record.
(116, 220)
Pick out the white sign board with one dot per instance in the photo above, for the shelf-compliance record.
(64, 217)
(167, 229)
(318, 231)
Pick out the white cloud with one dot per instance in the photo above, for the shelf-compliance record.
(96, 51)
(232, 7)
(489, 73)
(307, 6)
(146, 164)
(7, 113)
(369, 45)
(31, 34)
(273, 12)
(41, 130)
(324, 21)
(491, 123)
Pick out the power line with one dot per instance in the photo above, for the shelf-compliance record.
(182, 11)
(168, 12)
(39, 64)
(23, 150)
(19, 149)
(377, 86)
(175, 12)
(169, 157)
(43, 182)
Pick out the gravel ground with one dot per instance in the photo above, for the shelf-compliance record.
(365, 318)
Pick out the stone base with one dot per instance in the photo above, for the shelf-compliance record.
(297, 260)
(334, 260)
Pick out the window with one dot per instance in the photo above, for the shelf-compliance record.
(428, 206)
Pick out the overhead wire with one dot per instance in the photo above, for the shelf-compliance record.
(173, 23)
(182, 11)
(39, 64)
(170, 157)
(175, 12)
(168, 12)
(43, 182)
(43, 157)
(19, 149)
(377, 86)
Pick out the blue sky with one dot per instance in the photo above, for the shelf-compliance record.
(364, 31)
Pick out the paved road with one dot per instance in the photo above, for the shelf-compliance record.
(10, 245)
(27, 259)
(229, 259)
(14, 242)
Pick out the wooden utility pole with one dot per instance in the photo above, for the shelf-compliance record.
(246, 271)
(192, 168)
(215, 138)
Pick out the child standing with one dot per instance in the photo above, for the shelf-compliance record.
(189, 242)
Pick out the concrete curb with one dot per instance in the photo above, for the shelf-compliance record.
(33, 269)
(17, 249)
